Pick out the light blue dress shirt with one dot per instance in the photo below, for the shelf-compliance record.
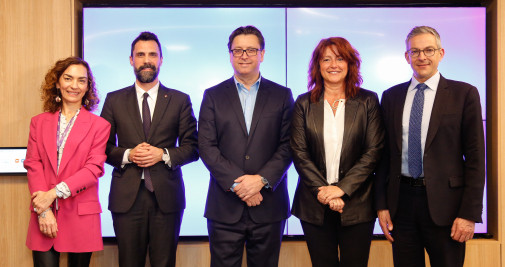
(247, 100)
(429, 99)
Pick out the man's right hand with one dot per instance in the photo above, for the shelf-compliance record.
(386, 224)
(135, 150)
(254, 200)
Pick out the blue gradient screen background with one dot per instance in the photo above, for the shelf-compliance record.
(195, 57)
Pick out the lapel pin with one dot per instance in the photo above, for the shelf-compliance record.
(166, 96)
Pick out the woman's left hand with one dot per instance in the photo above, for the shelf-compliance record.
(48, 225)
(327, 193)
(337, 204)
(42, 200)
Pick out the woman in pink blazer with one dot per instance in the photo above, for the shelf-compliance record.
(65, 158)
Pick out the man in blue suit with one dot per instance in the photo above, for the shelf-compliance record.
(244, 142)
(430, 184)
(153, 134)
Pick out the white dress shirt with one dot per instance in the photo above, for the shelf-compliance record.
(429, 98)
(151, 102)
(333, 138)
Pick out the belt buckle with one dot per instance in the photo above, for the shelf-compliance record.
(417, 182)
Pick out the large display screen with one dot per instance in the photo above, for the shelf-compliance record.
(11, 160)
(195, 57)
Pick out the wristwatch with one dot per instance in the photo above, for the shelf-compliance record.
(165, 158)
(264, 180)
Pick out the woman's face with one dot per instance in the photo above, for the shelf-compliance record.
(73, 84)
(333, 67)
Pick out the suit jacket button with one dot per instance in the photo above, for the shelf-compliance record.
(247, 157)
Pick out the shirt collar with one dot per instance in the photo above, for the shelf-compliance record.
(432, 82)
(153, 92)
(240, 86)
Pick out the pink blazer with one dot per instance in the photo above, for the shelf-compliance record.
(78, 216)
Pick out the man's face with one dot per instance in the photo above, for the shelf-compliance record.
(246, 65)
(424, 67)
(146, 61)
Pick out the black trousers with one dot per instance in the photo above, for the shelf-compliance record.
(326, 241)
(51, 258)
(414, 230)
(145, 227)
(262, 242)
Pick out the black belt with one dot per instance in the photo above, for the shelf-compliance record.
(413, 181)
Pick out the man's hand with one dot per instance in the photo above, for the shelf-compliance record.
(386, 224)
(337, 204)
(42, 200)
(327, 193)
(145, 155)
(48, 225)
(248, 186)
(462, 229)
(255, 200)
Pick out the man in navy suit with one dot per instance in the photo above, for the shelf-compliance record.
(244, 142)
(430, 184)
(153, 133)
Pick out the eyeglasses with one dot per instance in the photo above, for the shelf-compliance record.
(249, 51)
(429, 52)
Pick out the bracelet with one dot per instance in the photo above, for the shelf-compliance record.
(43, 214)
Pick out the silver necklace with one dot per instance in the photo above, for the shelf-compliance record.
(334, 106)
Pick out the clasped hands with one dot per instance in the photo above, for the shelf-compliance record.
(145, 155)
(41, 201)
(248, 189)
(331, 195)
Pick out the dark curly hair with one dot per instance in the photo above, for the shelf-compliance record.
(353, 79)
(49, 90)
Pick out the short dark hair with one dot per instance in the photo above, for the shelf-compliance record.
(146, 36)
(249, 29)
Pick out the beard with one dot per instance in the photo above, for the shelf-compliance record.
(146, 76)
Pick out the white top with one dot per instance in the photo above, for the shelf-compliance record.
(151, 100)
(64, 133)
(429, 99)
(333, 138)
(62, 186)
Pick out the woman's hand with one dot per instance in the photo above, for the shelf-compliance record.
(337, 204)
(42, 200)
(327, 193)
(47, 224)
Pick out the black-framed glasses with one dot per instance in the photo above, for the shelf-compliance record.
(249, 51)
(429, 52)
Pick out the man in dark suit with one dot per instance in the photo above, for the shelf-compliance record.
(244, 142)
(147, 191)
(430, 185)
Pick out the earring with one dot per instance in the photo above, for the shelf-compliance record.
(57, 99)
(86, 102)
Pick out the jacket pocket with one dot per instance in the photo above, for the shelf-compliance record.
(87, 208)
(456, 181)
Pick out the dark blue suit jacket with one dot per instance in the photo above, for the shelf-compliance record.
(173, 127)
(454, 153)
(229, 152)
